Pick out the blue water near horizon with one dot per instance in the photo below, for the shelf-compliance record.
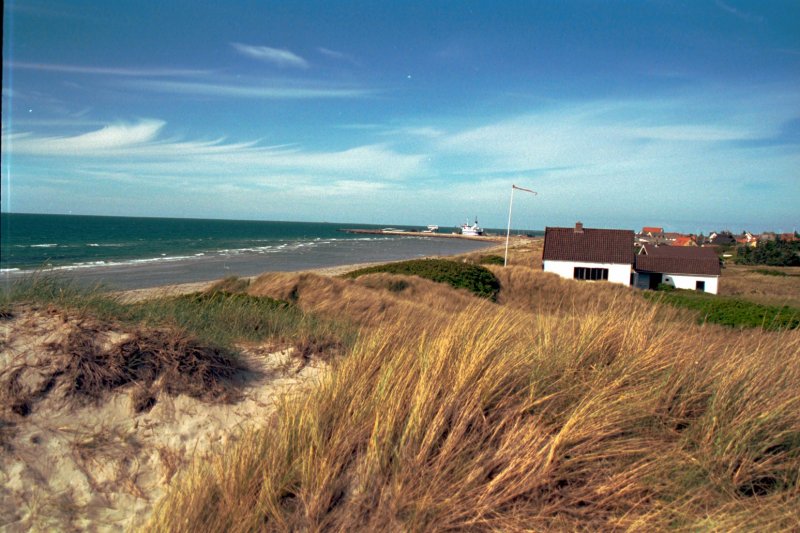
(67, 242)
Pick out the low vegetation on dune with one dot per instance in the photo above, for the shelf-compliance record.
(94, 359)
(459, 275)
(778, 288)
(220, 316)
(367, 301)
(730, 311)
(500, 419)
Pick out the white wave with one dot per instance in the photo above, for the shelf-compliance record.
(53, 245)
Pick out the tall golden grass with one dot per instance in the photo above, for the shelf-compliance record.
(369, 300)
(592, 412)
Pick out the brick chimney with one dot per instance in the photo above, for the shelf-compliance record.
(579, 227)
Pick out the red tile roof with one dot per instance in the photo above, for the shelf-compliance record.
(678, 251)
(651, 229)
(589, 245)
(678, 260)
(684, 241)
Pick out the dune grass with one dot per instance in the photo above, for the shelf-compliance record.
(564, 406)
(219, 317)
(459, 275)
(498, 419)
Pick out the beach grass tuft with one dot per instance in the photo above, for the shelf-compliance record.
(219, 317)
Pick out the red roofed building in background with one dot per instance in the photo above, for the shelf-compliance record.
(652, 231)
(684, 240)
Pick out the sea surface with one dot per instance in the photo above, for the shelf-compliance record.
(134, 252)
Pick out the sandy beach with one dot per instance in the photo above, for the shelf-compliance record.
(158, 273)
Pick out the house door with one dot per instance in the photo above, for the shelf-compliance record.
(655, 279)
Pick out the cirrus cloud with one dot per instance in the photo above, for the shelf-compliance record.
(276, 56)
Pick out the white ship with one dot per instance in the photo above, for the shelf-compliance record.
(472, 230)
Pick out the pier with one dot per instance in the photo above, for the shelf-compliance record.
(405, 233)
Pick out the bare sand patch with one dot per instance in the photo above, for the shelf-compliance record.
(101, 461)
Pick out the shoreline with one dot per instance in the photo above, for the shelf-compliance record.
(135, 295)
(199, 271)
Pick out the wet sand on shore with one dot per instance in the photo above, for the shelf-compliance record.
(202, 270)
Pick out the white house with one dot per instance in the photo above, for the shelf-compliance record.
(589, 254)
(682, 267)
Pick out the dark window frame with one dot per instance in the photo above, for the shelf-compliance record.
(700, 286)
(590, 273)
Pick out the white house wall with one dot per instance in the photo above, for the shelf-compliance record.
(566, 269)
(686, 281)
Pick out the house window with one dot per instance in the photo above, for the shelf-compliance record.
(700, 286)
(590, 273)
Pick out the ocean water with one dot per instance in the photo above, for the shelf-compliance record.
(68, 241)
(132, 252)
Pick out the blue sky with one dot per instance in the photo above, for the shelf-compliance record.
(682, 114)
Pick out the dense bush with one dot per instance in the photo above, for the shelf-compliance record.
(772, 253)
(474, 278)
(491, 260)
(733, 312)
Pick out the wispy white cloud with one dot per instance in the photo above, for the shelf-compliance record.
(743, 15)
(426, 132)
(339, 56)
(112, 137)
(276, 56)
(140, 147)
(267, 90)
(109, 71)
(602, 133)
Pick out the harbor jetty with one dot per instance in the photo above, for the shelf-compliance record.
(409, 233)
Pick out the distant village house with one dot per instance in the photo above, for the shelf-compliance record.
(682, 267)
(608, 255)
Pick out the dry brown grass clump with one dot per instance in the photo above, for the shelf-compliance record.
(91, 359)
(544, 292)
(522, 251)
(369, 300)
(502, 420)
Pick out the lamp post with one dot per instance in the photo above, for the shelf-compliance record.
(510, 205)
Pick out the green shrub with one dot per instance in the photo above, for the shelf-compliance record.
(729, 311)
(474, 278)
(770, 272)
(666, 287)
(491, 260)
(771, 253)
